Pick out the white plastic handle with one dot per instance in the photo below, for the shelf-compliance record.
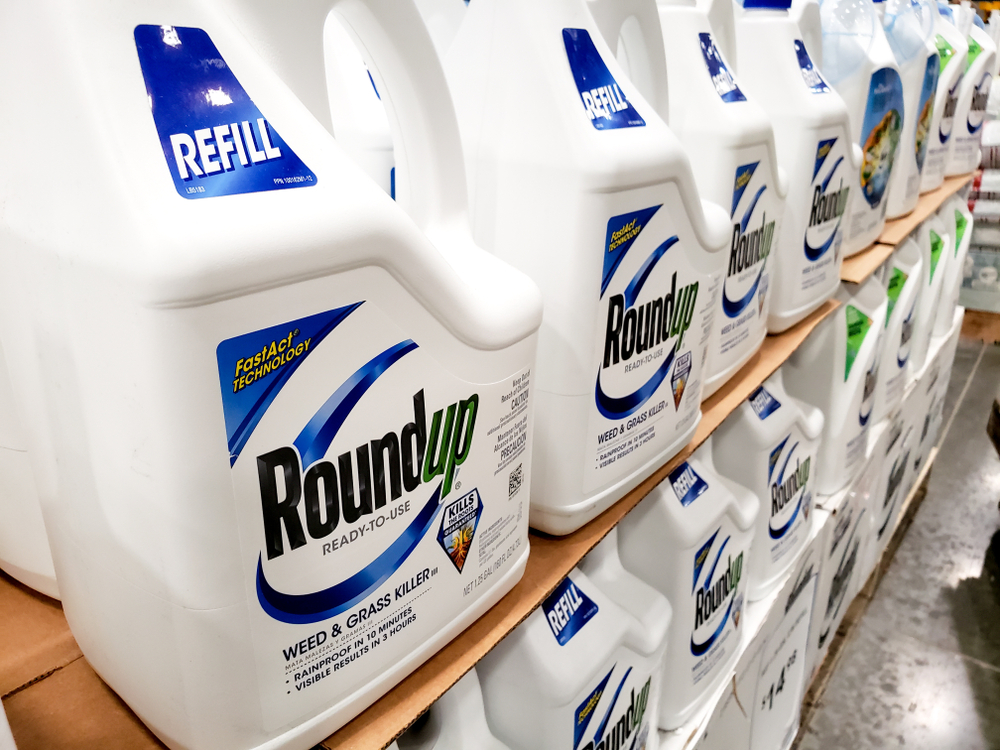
(651, 80)
(393, 39)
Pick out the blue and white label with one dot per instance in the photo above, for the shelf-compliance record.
(829, 193)
(602, 99)
(718, 600)
(754, 213)
(215, 140)
(925, 109)
(687, 484)
(723, 81)
(880, 132)
(372, 494)
(789, 498)
(567, 610)
(810, 73)
(652, 333)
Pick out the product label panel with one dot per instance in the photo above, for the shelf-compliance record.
(654, 323)
(215, 140)
(718, 601)
(620, 709)
(789, 500)
(378, 496)
(827, 205)
(742, 318)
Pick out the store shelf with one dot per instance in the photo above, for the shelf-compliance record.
(897, 230)
(859, 267)
(549, 562)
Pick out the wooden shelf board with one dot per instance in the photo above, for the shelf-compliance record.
(859, 267)
(897, 230)
(551, 559)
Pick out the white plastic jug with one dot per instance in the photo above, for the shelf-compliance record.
(456, 721)
(24, 546)
(806, 14)
(730, 142)
(909, 29)
(283, 318)
(813, 138)
(970, 107)
(835, 370)
(957, 219)
(690, 539)
(585, 669)
(593, 197)
(769, 445)
(934, 240)
(442, 18)
(953, 50)
(357, 115)
(721, 17)
(6, 738)
(901, 277)
(859, 64)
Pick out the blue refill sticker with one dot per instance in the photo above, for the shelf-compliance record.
(725, 85)
(254, 367)
(602, 99)
(688, 486)
(567, 610)
(215, 140)
(925, 110)
(810, 73)
(763, 403)
(880, 131)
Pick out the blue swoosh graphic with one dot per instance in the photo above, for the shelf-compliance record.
(829, 176)
(607, 715)
(781, 474)
(815, 253)
(750, 208)
(242, 433)
(616, 408)
(718, 556)
(303, 609)
(732, 308)
(315, 438)
(698, 649)
(778, 533)
(902, 362)
(635, 285)
(973, 130)
(887, 517)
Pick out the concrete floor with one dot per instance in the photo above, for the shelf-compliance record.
(922, 669)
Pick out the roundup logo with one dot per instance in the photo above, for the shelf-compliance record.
(305, 496)
(612, 734)
(749, 248)
(715, 593)
(215, 140)
(603, 101)
(785, 489)
(829, 201)
(639, 323)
